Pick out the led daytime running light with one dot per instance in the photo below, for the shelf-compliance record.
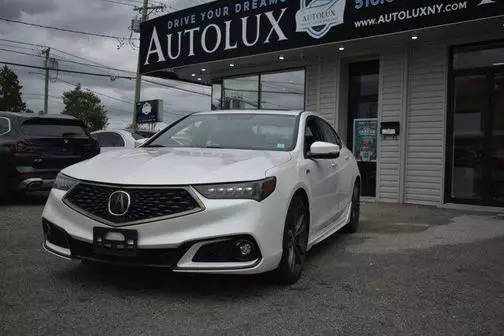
(256, 190)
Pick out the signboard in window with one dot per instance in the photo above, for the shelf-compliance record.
(149, 111)
(365, 139)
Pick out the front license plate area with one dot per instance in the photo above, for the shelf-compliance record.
(115, 242)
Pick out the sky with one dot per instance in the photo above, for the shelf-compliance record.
(96, 16)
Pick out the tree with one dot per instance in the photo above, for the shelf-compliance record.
(87, 107)
(10, 97)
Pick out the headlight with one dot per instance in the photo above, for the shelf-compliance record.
(255, 190)
(64, 182)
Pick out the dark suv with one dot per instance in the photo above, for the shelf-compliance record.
(34, 148)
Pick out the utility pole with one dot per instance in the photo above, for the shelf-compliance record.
(138, 83)
(46, 89)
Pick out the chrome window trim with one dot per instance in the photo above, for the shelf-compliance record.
(189, 189)
(9, 124)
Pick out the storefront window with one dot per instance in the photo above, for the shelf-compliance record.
(241, 93)
(268, 91)
(216, 96)
(283, 90)
(478, 57)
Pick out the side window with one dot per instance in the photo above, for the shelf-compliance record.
(313, 133)
(5, 126)
(117, 140)
(329, 132)
(109, 140)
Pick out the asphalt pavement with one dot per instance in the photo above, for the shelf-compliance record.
(411, 270)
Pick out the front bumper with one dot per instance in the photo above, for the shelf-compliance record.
(173, 243)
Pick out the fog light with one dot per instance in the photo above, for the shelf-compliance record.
(244, 249)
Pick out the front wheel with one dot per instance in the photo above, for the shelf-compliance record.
(3, 185)
(353, 224)
(295, 241)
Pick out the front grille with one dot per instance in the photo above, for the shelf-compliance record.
(145, 204)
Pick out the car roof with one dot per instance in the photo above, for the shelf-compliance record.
(24, 116)
(279, 112)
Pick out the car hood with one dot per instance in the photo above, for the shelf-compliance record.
(177, 166)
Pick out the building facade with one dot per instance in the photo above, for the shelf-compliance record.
(417, 93)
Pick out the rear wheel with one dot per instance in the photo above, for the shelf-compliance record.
(3, 185)
(353, 224)
(295, 241)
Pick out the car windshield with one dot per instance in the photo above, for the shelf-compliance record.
(233, 131)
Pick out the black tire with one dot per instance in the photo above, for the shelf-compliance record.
(4, 188)
(295, 241)
(353, 224)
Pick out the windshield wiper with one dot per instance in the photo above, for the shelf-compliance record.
(213, 146)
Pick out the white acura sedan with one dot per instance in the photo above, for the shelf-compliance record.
(236, 192)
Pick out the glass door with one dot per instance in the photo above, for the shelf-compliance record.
(363, 122)
(496, 148)
(476, 162)
(471, 103)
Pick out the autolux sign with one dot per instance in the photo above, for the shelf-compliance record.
(227, 29)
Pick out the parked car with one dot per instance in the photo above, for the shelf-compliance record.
(34, 148)
(117, 139)
(235, 192)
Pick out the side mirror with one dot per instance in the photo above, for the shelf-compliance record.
(324, 150)
(140, 142)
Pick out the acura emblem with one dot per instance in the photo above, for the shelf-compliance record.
(66, 141)
(119, 203)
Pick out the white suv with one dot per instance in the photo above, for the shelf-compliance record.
(217, 192)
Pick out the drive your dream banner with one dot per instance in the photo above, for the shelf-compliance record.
(234, 28)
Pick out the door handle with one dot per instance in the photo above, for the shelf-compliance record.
(334, 165)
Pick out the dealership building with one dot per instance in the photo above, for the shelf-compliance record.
(414, 87)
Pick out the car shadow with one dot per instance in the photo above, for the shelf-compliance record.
(133, 280)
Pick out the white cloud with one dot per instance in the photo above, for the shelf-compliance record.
(92, 16)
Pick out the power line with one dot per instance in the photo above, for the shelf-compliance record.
(119, 3)
(19, 47)
(20, 52)
(65, 70)
(64, 29)
(140, 3)
(63, 60)
(104, 75)
(175, 87)
(89, 60)
(97, 92)
(92, 61)
(25, 43)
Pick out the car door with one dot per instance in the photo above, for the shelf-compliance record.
(321, 176)
(342, 173)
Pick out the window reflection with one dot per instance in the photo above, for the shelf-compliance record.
(283, 90)
(216, 96)
(269, 91)
(241, 93)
